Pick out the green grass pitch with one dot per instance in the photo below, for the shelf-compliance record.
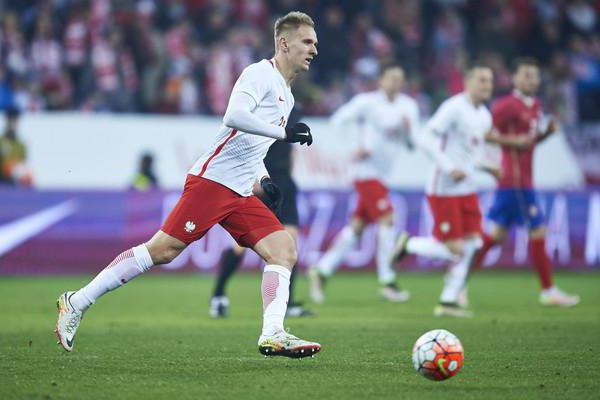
(153, 339)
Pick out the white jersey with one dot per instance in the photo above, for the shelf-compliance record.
(236, 158)
(458, 129)
(381, 122)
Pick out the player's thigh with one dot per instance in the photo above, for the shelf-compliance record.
(250, 222)
(373, 201)
(447, 217)
(504, 210)
(277, 248)
(202, 204)
(471, 215)
(534, 217)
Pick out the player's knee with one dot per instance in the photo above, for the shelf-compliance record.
(288, 256)
(164, 254)
(285, 255)
(538, 233)
(455, 247)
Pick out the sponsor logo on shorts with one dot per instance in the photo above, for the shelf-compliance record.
(382, 204)
(189, 227)
(445, 227)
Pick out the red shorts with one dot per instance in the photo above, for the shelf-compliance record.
(455, 217)
(205, 203)
(373, 200)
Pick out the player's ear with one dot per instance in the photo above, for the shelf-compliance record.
(284, 44)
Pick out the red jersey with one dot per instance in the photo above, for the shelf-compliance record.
(514, 114)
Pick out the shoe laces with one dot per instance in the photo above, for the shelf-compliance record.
(73, 323)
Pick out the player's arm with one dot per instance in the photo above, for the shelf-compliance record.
(351, 112)
(239, 116)
(515, 141)
(430, 141)
(550, 129)
(503, 113)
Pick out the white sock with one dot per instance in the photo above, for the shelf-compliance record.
(275, 293)
(343, 243)
(385, 244)
(121, 270)
(429, 247)
(456, 277)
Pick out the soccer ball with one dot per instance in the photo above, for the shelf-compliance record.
(437, 355)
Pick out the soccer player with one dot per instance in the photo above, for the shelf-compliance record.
(278, 162)
(382, 116)
(218, 190)
(519, 127)
(454, 138)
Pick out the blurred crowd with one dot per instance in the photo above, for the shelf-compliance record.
(183, 56)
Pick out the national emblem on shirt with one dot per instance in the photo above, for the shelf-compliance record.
(190, 227)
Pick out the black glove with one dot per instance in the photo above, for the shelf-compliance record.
(299, 133)
(273, 195)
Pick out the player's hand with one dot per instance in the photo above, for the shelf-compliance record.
(273, 198)
(361, 154)
(299, 133)
(523, 142)
(457, 175)
(494, 172)
(552, 126)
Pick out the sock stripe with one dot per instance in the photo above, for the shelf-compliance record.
(269, 288)
(121, 257)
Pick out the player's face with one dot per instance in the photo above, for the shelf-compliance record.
(302, 47)
(481, 84)
(527, 79)
(392, 81)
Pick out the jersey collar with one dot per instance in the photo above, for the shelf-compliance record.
(527, 100)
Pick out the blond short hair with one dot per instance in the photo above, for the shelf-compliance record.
(292, 21)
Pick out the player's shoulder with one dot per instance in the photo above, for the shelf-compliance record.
(366, 96)
(259, 68)
(405, 99)
(507, 100)
(454, 102)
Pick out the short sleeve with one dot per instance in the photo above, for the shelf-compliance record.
(502, 114)
(254, 82)
(443, 118)
(353, 111)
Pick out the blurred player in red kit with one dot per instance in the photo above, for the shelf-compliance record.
(519, 127)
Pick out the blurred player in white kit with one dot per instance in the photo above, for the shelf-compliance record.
(454, 138)
(218, 190)
(383, 117)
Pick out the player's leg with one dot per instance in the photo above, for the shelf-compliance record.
(550, 295)
(253, 225)
(446, 215)
(295, 308)
(161, 249)
(450, 302)
(345, 241)
(385, 270)
(424, 246)
(186, 223)
(230, 261)
(503, 213)
(278, 249)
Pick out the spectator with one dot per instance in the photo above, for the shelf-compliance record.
(145, 179)
(12, 153)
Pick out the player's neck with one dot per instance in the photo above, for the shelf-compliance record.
(527, 99)
(473, 100)
(284, 69)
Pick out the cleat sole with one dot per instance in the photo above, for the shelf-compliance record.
(296, 352)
